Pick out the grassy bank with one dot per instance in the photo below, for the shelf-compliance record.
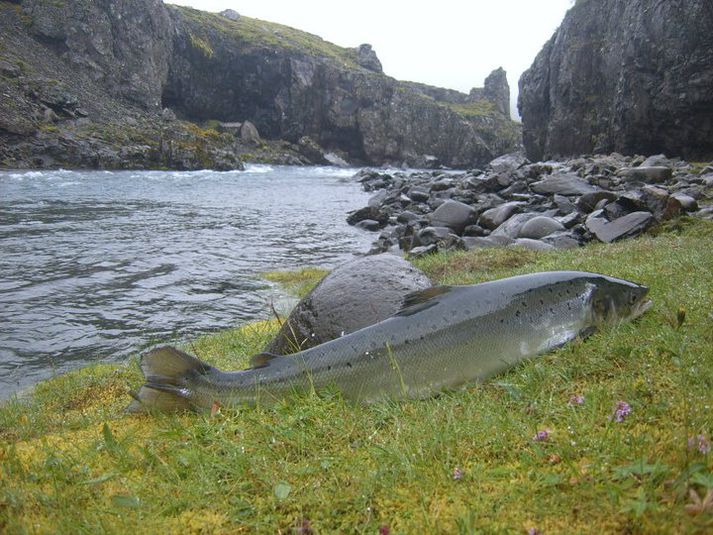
(466, 462)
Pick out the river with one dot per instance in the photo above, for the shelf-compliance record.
(97, 265)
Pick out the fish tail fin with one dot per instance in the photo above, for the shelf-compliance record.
(170, 378)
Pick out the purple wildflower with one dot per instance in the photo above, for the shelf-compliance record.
(384, 529)
(576, 400)
(623, 409)
(305, 528)
(700, 443)
(457, 473)
(534, 531)
(541, 436)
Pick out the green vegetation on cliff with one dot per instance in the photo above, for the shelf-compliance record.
(608, 435)
(261, 33)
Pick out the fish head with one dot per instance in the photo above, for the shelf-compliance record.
(616, 300)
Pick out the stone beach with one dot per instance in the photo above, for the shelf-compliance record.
(541, 206)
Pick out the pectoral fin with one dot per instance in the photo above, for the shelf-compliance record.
(263, 359)
(421, 300)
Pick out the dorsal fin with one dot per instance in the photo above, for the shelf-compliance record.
(422, 299)
(262, 359)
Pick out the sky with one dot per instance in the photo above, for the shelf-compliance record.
(449, 43)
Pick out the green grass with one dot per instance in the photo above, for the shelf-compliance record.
(71, 461)
(480, 108)
(256, 32)
(299, 283)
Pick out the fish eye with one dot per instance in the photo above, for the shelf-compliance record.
(632, 299)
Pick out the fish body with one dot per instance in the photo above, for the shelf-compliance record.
(443, 337)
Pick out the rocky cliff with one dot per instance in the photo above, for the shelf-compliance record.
(633, 76)
(100, 84)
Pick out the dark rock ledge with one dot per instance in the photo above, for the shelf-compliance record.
(541, 206)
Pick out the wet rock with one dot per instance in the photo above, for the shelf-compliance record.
(424, 250)
(369, 224)
(442, 184)
(687, 202)
(588, 202)
(507, 163)
(493, 218)
(431, 235)
(355, 295)
(656, 174)
(657, 160)
(475, 231)
(418, 194)
(660, 203)
(571, 219)
(539, 227)
(562, 240)
(454, 215)
(408, 217)
(629, 226)
(565, 184)
(511, 227)
(368, 212)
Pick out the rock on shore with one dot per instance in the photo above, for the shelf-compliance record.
(359, 293)
(539, 206)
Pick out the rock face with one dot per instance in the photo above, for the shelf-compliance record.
(291, 84)
(367, 58)
(355, 295)
(632, 76)
(98, 37)
(76, 73)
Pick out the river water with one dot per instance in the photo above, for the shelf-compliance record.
(97, 265)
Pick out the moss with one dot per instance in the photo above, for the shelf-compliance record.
(298, 283)
(201, 44)
(261, 33)
(698, 167)
(48, 128)
(479, 108)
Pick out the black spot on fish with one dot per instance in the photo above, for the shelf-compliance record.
(329, 368)
(517, 313)
(542, 301)
(349, 364)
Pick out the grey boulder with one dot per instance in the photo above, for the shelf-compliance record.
(355, 295)
(454, 215)
(564, 184)
(628, 226)
(653, 174)
(539, 227)
(493, 218)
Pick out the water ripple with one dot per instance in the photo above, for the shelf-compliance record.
(97, 265)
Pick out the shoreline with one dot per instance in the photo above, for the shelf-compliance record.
(479, 433)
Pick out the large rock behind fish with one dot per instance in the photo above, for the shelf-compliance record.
(355, 295)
